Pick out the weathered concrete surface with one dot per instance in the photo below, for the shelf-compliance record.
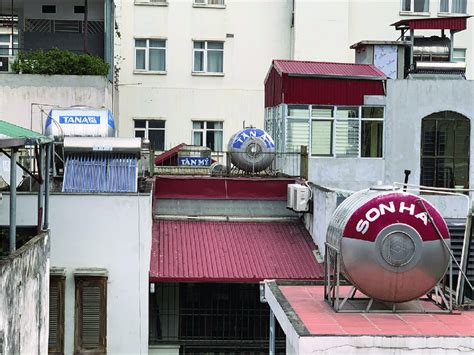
(25, 99)
(24, 299)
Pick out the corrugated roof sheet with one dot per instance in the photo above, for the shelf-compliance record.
(11, 131)
(325, 69)
(204, 251)
(438, 23)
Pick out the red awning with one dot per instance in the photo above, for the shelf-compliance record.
(457, 23)
(203, 251)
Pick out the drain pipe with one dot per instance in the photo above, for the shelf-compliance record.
(46, 185)
(13, 201)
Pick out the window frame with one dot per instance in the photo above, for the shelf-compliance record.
(334, 120)
(450, 9)
(465, 55)
(147, 128)
(204, 133)
(412, 8)
(60, 281)
(12, 44)
(205, 50)
(147, 55)
(82, 280)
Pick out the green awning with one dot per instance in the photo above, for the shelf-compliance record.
(13, 136)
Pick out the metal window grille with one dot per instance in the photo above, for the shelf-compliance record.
(56, 315)
(208, 318)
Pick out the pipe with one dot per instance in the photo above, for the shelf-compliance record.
(46, 185)
(407, 174)
(13, 200)
(40, 162)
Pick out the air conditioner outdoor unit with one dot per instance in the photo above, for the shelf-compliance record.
(301, 197)
(290, 195)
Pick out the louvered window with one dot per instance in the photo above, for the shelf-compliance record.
(91, 314)
(56, 315)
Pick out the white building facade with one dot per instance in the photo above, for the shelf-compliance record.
(192, 71)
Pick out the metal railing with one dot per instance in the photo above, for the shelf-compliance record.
(287, 164)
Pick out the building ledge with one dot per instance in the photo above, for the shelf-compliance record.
(206, 74)
(57, 271)
(451, 14)
(139, 72)
(91, 271)
(205, 6)
(147, 3)
(411, 13)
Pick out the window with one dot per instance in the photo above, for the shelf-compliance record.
(208, 134)
(459, 55)
(297, 127)
(347, 131)
(415, 5)
(48, 9)
(209, 2)
(8, 44)
(56, 314)
(91, 314)
(208, 57)
(445, 142)
(79, 9)
(153, 130)
(453, 6)
(150, 55)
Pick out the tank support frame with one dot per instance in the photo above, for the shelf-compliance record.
(441, 295)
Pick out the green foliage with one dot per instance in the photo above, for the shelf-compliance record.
(59, 61)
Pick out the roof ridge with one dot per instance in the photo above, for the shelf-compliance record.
(325, 62)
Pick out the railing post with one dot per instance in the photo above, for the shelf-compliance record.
(304, 162)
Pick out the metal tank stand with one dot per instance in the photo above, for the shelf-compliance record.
(335, 285)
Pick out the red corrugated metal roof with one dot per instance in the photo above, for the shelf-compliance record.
(457, 23)
(163, 157)
(327, 69)
(203, 251)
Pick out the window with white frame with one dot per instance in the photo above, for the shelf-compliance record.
(209, 2)
(208, 56)
(153, 130)
(453, 6)
(347, 131)
(459, 55)
(208, 134)
(150, 55)
(415, 5)
(8, 44)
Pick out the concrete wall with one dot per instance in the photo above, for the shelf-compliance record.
(104, 231)
(254, 33)
(24, 298)
(64, 9)
(23, 96)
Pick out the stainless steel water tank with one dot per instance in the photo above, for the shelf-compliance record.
(251, 149)
(388, 247)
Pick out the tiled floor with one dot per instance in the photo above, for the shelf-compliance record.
(320, 318)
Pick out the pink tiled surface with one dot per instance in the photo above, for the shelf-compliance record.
(319, 318)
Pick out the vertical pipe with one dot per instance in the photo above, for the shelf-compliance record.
(13, 200)
(46, 185)
(451, 45)
(412, 49)
(86, 25)
(40, 187)
(272, 333)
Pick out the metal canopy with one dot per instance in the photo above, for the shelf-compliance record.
(15, 136)
(440, 23)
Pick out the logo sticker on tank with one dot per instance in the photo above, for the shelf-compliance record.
(79, 119)
(369, 219)
(253, 133)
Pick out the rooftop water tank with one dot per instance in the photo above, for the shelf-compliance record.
(80, 121)
(251, 149)
(388, 247)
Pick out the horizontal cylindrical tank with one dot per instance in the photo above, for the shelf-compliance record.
(431, 48)
(251, 149)
(80, 122)
(388, 247)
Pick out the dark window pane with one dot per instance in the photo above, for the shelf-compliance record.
(372, 112)
(214, 125)
(49, 9)
(445, 138)
(156, 124)
(157, 139)
(140, 123)
(139, 134)
(428, 138)
(372, 138)
(79, 9)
